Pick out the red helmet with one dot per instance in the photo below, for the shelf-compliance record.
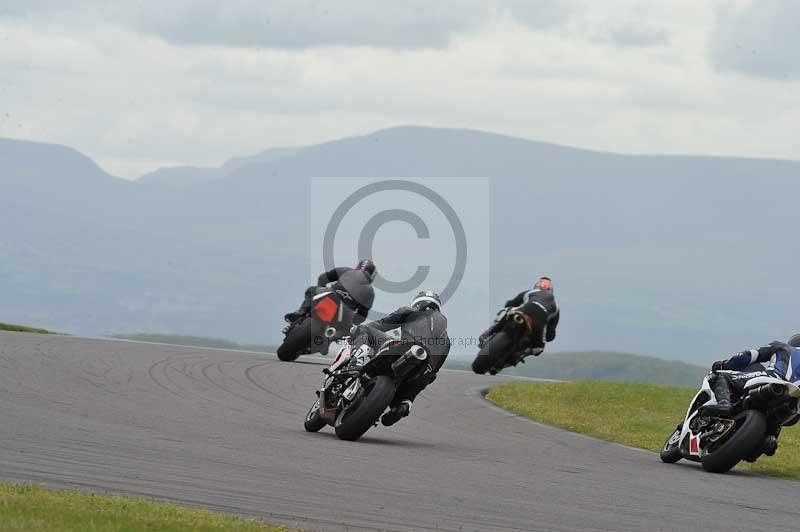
(368, 267)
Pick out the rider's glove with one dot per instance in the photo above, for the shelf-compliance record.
(718, 365)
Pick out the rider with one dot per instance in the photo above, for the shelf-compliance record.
(540, 303)
(355, 281)
(424, 322)
(777, 359)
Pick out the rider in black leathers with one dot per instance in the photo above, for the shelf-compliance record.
(540, 303)
(355, 281)
(424, 322)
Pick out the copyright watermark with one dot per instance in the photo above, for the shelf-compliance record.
(459, 341)
(422, 234)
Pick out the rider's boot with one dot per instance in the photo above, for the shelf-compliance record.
(532, 351)
(396, 413)
(722, 390)
(770, 445)
(291, 317)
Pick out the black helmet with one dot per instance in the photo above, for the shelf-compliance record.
(426, 299)
(368, 267)
(794, 341)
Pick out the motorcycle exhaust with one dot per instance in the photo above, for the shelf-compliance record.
(409, 360)
(766, 392)
(330, 332)
(417, 352)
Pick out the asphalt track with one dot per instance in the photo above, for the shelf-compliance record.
(223, 430)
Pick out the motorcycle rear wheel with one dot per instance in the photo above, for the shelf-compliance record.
(297, 340)
(488, 357)
(352, 425)
(747, 437)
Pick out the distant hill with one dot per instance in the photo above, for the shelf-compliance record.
(35, 165)
(182, 177)
(686, 258)
(10, 327)
(603, 366)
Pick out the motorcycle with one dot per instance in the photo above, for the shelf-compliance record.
(506, 346)
(360, 384)
(328, 320)
(766, 405)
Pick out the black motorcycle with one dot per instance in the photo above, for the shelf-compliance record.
(328, 320)
(506, 347)
(360, 385)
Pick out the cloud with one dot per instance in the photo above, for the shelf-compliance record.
(538, 14)
(306, 23)
(297, 24)
(27, 8)
(638, 37)
(760, 39)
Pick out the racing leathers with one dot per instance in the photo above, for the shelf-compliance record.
(357, 283)
(777, 359)
(428, 328)
(541, 305)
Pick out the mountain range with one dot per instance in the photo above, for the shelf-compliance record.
(681, 257)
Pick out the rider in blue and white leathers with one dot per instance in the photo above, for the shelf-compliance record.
(777, 359)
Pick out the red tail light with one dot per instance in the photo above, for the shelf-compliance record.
(326, 309)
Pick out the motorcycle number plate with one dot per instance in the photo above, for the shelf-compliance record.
(694, 445)
(351, 390)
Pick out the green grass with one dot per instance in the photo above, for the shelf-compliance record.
(639, 415)
(32, 508)
(21, 328)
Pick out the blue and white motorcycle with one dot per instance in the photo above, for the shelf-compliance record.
(765, 405)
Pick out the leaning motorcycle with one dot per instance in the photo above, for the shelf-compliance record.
(330, 318)
(505, 347)
(719, 443)
(360, 385)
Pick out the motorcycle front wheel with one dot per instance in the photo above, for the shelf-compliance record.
(313, 421)
(671, 452)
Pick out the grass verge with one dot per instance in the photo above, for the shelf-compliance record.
(639, 415)
(32, 508)
(21, 328)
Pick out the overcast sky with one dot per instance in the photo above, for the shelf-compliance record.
(138, 85)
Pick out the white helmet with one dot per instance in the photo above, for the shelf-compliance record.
(427, 299)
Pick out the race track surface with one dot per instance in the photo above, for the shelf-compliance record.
(224, 430)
